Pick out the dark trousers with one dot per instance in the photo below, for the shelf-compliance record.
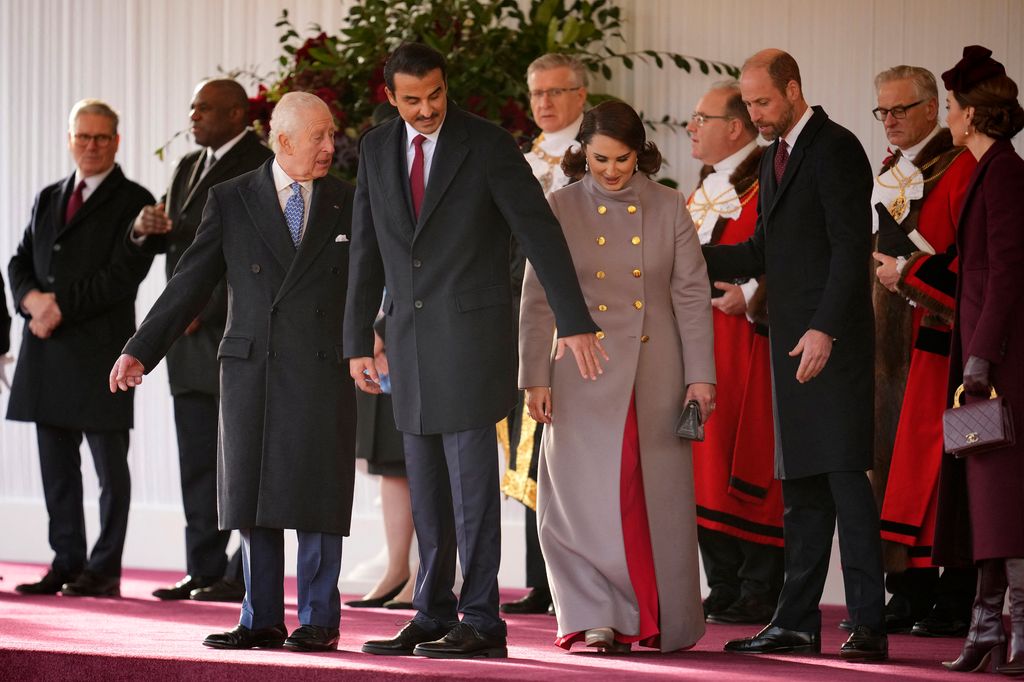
(453, 483)
(318, 568)
(740, 568)
(61, 463)
(812, 507)
(536, 571)
(195, 420)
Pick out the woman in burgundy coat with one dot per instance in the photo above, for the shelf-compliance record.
(981, 503)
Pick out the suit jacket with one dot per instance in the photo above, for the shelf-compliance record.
(192, 360)
(813, 244)
(5, 320)
(62, 381)
(451, 323)
(287, 408)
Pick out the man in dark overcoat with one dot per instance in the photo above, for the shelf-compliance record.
(218, 116)
(74, 281)
(813, 244)
(439, 196)
(280, 237)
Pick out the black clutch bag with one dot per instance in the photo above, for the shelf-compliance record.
(690, 426)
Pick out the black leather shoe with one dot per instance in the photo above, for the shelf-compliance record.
(537, 600)
(865, 644)
(222, 590)
(744, 610)
(377, 602)
(718, 600)
(313, 638)
(182, 589)
(91, 584)
(938, 625)
(464, 641)
(241, 637)
(403, 643)
(775, 640)
(394, 604)
(48, 584)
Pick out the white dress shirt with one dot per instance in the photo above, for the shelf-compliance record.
(429, 145)
(91, 182)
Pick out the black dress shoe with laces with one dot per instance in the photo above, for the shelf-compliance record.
(744, 610)
(776, 640)
(313, 638)
(91, 584)
(222, 590)
(404, 642)
(938, 624)
(718, 600)
(48, 584)
(537, 600)
(241, 637)
(865, 644)
(183, 588)
(464, 641)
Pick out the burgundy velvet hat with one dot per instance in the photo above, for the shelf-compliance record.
(976, 66)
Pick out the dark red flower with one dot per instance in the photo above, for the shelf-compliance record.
(302, 54)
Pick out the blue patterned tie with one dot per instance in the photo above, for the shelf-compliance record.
(293, 211)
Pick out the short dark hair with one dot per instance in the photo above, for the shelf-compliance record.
(620, 122)
(233, 92)
(997, 113)
(414, 59)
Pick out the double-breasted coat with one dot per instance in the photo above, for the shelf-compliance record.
(980, 502)
(287, 411)
(638, 260)
(62, 380)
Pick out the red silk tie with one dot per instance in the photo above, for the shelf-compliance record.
(416, 183)
(75, 202)
(781, 159)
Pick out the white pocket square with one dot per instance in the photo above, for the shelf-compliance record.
(341, 238)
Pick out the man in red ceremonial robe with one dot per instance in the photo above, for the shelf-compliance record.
(916, 200)
(739, 502)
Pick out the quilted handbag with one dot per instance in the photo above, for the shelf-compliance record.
(977, 427)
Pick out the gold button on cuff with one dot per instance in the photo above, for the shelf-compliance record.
(636, 273)
(638, 304)
(635, 240)
(631, 209)
(601, 241)
(600, 336)
(599, 274)
(602, 307)
(644, 338)
(601, 210)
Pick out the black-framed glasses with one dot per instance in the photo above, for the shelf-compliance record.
(897, 111)
(553, 93)
(698, 118)
(83, 139)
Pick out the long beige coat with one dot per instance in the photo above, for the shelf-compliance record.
(640, 266)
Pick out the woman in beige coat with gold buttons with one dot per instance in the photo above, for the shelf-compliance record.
(615, 502)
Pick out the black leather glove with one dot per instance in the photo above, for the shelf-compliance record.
(976, 375)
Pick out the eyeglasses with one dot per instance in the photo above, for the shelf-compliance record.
(83, 139)
(553, 93)
(698, 119)
(897, 112)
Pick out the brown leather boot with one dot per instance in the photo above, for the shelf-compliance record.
(1015, 578)
(986, 639)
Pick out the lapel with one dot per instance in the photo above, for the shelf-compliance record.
(796, 157)
(259, 197)
(193, 184)
(448, 157)
(100, 196)
(394, 169)
(225, 168)
(59, 204)
(995, 150)
(325, 206)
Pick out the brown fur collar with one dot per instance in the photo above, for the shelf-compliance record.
(745, 174)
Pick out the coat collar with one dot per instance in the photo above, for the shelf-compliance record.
(100, 196)
(804, 141)
(452, 148)
(325, 207)
(226, 167)
(999, 148)
(260, 200)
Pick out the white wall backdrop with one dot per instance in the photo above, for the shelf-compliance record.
(144, 57)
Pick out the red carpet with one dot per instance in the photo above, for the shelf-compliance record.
(139, 638)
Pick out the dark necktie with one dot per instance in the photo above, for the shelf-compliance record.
(781, 159)
(416, 179)
(75, 202)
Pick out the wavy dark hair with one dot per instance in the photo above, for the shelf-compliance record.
(997, 112)
(620, 122)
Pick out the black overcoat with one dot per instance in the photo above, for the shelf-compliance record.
(813, 244)
(287, 422)
(62, 380)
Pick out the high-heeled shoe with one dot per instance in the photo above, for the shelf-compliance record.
(1015, 579)
(603, 639)
(377, 602)
(986, 638)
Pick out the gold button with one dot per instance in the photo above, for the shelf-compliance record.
(644, 338)
(636, 273)
(601, 241)
(599, 335)
(635, 240)
(602, 307)
(600, 274)
(631, 209)
(638, 304)
(601, 210)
